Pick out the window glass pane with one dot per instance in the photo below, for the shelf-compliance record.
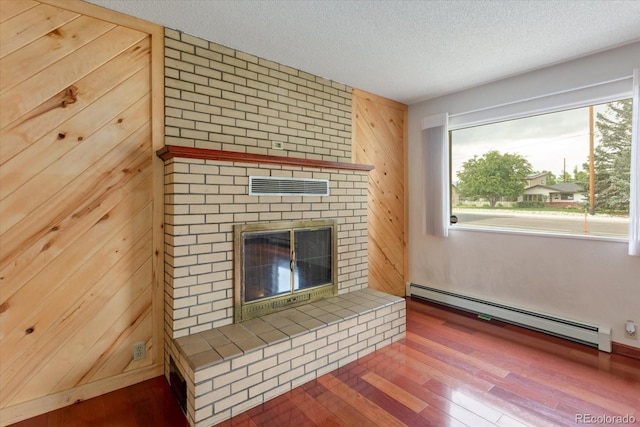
(548, 173)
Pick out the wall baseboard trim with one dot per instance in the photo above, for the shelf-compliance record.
(598, 336)
(618, 349)
(625, 350)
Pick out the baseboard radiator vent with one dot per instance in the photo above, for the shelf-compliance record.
(592, 335)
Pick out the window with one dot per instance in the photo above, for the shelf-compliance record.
(533, 198)
(566, 172)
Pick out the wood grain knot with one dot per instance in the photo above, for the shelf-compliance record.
(29, 331)
(70, 96)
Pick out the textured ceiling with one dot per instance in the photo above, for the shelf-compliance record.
(403, 50)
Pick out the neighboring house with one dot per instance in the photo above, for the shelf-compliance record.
(537, 179)
(565, 194)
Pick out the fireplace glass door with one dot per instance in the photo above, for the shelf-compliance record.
(283, 264)
(312, 258)
(267, 265)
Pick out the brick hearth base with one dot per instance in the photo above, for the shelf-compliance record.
(236, 367)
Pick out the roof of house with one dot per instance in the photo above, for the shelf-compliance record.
(567, 187)
(563, 187)
(537, 175)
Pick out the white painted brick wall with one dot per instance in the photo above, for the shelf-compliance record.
(223, 99)
(199, 243)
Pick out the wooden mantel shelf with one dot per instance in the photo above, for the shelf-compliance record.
(171, 151)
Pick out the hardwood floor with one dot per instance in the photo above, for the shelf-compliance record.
(146, 404)
(456, 370)
(452, 370)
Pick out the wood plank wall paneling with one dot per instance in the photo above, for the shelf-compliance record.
(78, 279)
(379, 139)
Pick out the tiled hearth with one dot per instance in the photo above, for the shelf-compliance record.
(207, 348)
(235, 367)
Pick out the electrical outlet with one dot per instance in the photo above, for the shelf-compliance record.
(139, 351)
(630, 330)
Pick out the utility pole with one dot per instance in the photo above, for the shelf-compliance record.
(592, 176)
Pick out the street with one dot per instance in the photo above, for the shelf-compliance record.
(552, 222)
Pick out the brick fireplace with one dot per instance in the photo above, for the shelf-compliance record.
(224, 111)
(203, 201)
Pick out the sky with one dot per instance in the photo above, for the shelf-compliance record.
(546, 141)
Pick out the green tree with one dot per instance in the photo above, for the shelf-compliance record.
(580, 177)
(612, 158)
(494, 176)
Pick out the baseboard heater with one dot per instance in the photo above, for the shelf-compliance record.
(592, 335)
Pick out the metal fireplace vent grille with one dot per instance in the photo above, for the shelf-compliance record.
(275, 186)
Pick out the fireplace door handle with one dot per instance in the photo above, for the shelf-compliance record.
(293, 260)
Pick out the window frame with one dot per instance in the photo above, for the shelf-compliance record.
(486, 119)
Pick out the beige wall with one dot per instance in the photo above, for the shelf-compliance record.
(586, 280)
